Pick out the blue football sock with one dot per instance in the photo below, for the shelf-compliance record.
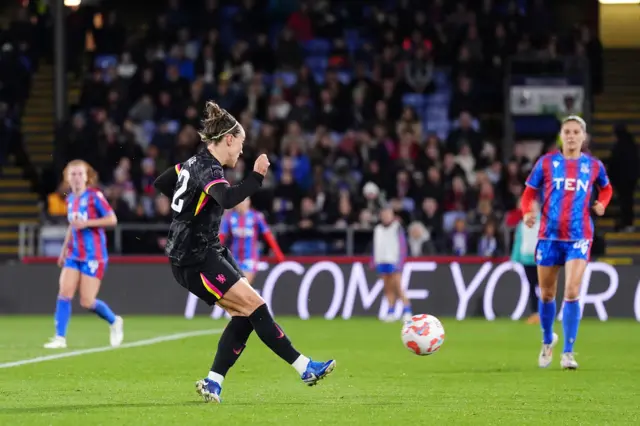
(547, 312)
(104, 311)
(62, 316)
(570, 323)
(407, 309)
(392, 310)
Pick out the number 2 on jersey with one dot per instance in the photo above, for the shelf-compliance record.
(183, 180)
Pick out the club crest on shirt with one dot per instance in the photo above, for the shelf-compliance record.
(584, 168)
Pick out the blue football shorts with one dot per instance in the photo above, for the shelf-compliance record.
(90, 268)
(557, 253)
(386, 268)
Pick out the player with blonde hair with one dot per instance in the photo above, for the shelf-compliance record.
(563, 182)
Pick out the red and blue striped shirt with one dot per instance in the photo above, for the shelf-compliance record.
(565, 187)
(90, 243)
(244, 231)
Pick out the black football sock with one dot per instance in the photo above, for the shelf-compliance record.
(230, 347)
(272, 335)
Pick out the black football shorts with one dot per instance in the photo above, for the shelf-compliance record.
(211, 279)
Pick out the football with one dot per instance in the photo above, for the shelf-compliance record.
(423, 334)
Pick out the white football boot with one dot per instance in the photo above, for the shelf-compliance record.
(116, 332)
(568, 362)
(546, 353)
(57, 342)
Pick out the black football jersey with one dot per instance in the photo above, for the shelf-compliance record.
(196, 215)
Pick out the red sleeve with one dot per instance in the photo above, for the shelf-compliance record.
(528, 197)
(605, 194)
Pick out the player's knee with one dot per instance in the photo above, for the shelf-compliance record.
(253, 303)
(250, 301)
(87, 303)
(572, 293)
(66, 293)
(547, 294)
(67, 290)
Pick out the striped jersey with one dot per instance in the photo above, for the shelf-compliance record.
(565, 188)
(243, 231)
(389, 244)
(89, 244)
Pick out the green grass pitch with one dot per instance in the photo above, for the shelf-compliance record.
(484, 374)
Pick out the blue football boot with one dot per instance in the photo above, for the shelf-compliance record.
(209, 390)
(317, 371)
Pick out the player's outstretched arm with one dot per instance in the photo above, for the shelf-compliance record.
(166, 182)
(229, 196)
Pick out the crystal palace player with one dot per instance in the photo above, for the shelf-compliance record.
(84, 253)
(242, 226)
(564, 181)
(204, 267)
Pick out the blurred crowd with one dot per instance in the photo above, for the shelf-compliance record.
(357, 105)
(18, 61)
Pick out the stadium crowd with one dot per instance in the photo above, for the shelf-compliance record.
(18, 61)
(356, 106)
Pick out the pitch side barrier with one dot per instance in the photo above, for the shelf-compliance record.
(331, 287)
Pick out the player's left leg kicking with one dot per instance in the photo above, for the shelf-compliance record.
(249, 312)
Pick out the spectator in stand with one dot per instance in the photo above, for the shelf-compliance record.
(419, 240)
(624, 171)
(57, 204)
(300, 23)
(419, 72)
(488, 243)
(459, 239)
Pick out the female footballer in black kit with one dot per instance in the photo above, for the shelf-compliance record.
(199, 195)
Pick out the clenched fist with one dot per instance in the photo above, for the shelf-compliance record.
(261, 165)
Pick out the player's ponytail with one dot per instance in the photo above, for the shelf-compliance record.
(217, 123)
(92, 175)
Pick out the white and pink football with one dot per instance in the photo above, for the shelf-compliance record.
(423, 334)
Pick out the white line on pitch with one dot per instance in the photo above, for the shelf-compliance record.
(137, 343)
